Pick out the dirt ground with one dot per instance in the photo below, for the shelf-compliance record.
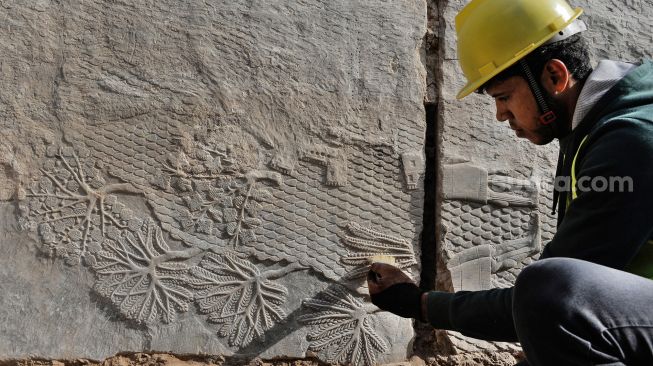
(163, 359)
(427, 349)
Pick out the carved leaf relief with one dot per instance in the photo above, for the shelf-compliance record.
(342, 328)
(364, 243)
(141, 276)
(238, 297)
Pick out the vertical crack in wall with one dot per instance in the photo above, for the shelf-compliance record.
(431, 144)
(428, 239)
(437, 125)
(425, 344)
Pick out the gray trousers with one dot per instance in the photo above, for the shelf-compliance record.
(572, 312)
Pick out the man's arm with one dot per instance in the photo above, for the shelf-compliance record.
(480, 314)
(603, 227)
(483, 315)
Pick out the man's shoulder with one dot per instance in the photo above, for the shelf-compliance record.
(626, 139)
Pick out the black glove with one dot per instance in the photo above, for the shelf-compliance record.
(403, 299)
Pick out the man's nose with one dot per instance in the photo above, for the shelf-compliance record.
(502, 113)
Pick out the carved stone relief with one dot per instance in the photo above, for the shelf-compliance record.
(201, 177)
(364, 243)
(216, 235)
(468, 182)
(342, 328)
(493, 226)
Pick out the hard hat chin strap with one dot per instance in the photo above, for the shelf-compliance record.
(547, 116)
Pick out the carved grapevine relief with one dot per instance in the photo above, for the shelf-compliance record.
(220, 200)
(342, 328)
(79, 213)
(238, 297)
(241, 212)
(228, 208)
(197, 161)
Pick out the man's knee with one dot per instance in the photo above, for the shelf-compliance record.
(544, 289)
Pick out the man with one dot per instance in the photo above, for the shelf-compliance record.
(589, 299)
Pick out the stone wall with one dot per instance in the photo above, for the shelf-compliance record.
(211, 177)
(208, 177)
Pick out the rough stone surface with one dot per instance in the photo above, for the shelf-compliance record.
(208, 177)
(196, 177)
(496, 189)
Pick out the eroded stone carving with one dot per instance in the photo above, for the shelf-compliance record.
(468, 182)
(341, 136)
(333, 159)
(282, 163)
(364, 243)
(413, 165)
(472, 268)
(342, 328)
(12, 174)
(73, 206)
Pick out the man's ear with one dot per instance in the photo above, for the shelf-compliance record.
(556, 78)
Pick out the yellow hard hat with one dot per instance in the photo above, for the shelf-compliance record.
(495, 34)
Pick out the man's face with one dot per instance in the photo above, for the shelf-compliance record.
(516, 104)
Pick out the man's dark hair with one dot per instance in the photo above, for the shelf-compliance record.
(573, 51)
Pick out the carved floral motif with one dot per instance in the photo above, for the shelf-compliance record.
(238, 297)
(364, 243)
(142, 277)
(342, 328)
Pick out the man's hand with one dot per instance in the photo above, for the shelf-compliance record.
(393, 291)
(381, 276)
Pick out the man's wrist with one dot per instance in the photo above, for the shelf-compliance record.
(403, 299)
(438, 305)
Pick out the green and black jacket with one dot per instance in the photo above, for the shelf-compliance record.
(613, 228)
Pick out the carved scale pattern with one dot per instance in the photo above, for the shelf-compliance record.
(305, 219)
(471, 224)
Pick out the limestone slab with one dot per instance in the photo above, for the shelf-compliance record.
(208, 177)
